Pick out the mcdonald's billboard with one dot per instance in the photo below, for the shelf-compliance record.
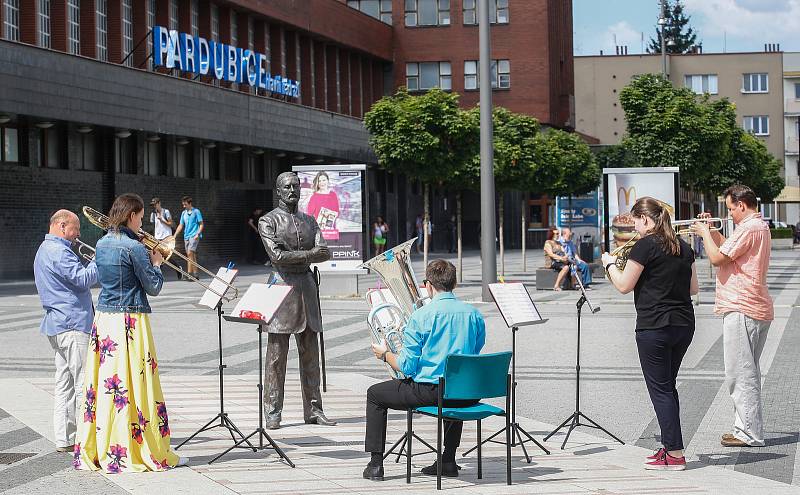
(623, 186)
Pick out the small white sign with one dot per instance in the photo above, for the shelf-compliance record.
(212, 297)
(515, 304)
(260, 302)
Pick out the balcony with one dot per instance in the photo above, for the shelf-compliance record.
(792, 144)
(791, 106)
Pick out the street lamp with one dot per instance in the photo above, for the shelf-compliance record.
(488, 258)
(662, 22)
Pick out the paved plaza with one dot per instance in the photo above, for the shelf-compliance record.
(330, 460)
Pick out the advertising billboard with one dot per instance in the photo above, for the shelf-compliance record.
(334, 196)
(623, 186)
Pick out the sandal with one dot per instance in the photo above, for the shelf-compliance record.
(557, 289)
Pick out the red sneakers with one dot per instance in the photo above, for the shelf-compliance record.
(657, 455)
(666, 463)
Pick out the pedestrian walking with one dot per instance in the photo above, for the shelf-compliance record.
(419, 225)
(63, 284)
(743, 300)
(161, 219)
(380, 234)
(192, 227)
(124, 426)
(662, 275)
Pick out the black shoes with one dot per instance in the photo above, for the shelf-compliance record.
(320, 419)
(373, 473)
(449, 470)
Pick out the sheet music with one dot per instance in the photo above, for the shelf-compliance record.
(210, 299)
(515, 304)
(261, 300)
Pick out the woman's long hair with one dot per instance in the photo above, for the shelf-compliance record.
(123, 206)
(659, 214)
(315, 184)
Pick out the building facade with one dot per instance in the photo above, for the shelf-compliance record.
(791, 126)
(752, 81)
(215, 99)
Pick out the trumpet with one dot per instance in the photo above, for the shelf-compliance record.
(683, 227)
(164, 246)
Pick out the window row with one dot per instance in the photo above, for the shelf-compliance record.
(756, 124)
(431, 12)
(421, 76)
(757, 82)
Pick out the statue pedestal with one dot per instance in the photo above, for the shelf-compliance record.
(346, 283)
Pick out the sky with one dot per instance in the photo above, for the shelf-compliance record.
(721, 25)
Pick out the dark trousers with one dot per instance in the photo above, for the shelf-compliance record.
(275, 373)
(661, 351)
(403, 395)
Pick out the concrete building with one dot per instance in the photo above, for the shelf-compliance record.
(791, 126)
(753, 81)
(87, 113)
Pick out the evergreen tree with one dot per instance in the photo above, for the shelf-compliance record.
(680, 36)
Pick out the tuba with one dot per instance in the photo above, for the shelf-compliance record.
(391, 307)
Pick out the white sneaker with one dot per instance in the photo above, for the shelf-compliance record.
(182, 461)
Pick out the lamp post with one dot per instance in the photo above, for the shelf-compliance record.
(488, 256)
(662, 22)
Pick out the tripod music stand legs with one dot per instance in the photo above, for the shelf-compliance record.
(515, 427)
(574, 419)
(260, 431)
(222, 416)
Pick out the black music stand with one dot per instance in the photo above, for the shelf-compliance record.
(208, 300)
(517, 308)
(260, 431)
(574, 419)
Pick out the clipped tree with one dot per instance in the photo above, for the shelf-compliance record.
(680, 36)
(420, 137)
(670, 126)
(514, 166)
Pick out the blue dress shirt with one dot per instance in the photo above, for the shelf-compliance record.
(442, 327)
(63, 284)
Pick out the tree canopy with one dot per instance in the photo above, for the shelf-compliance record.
(680, 36)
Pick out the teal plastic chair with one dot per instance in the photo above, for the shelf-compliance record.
(468, 377)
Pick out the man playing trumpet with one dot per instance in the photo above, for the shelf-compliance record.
(442, 327)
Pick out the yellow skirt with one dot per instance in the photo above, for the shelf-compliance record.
(123, 425)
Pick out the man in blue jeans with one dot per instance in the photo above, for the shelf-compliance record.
(63, 284)
(442, 327)
(583, 268)
(192, 226)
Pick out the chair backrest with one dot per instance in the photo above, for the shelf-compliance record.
(473, 376)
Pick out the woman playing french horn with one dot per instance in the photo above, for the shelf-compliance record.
(661, 273)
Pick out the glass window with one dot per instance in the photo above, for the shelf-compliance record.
(498, 11)
(74, 25)
(797, 91)
(195, 15)
(470, 73)
(503, 74)
(9, 138)
(233, 166)
(214, 22)
(101, 17)
(500, 70)
(151, 22)
(427, 12)
(127, 31)
(184, 165)
(755, 83)
(44, 23)
(154, 164)
(701, 83)
(234, 29)
(209, 163)
(50, 152)
(379, 9)
(88, 152)
(11, 19)
(126, 155)
(757, 124)
(427, 75)
(173, 14)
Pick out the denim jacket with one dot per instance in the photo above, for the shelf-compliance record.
(125, 273)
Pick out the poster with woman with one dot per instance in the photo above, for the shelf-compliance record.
(332, 194)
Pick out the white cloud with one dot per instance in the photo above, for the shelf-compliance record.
(625, 35)
(756, 21)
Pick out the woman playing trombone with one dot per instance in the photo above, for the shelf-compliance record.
(661, 273)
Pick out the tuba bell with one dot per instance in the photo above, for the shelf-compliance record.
(391, 307)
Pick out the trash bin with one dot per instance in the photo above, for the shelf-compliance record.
(586, 249)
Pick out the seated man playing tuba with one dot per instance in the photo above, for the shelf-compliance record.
(442, 327)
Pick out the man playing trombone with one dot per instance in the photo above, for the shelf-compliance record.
(442, 327)
(63, 284)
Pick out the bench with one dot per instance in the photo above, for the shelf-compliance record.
(546, 279)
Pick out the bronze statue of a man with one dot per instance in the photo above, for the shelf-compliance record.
(293, 241)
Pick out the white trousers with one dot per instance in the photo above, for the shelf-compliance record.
(743, 340)
(70, 355)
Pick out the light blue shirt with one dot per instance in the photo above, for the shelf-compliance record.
(63, 284)
(442, 327)
(191, 222)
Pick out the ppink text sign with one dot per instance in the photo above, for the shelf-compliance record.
(189, 53)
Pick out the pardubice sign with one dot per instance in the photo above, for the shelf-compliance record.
(225, 62)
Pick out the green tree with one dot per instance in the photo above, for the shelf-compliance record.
(616, 156)
(422, 137)
(680, 36)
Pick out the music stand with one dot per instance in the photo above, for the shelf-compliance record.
(213, 299)
(517, 309)
(267, 299)
(574, 419)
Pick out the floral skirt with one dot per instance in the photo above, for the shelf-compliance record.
(123, 424)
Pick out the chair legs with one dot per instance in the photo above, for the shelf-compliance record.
(439, 453)
(409, 438)
(480, 466)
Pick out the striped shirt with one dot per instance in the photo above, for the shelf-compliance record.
(742, 283)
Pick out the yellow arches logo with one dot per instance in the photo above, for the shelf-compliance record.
(628, 192)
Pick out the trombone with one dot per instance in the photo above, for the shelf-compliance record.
(683, 227)
(164, 246)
